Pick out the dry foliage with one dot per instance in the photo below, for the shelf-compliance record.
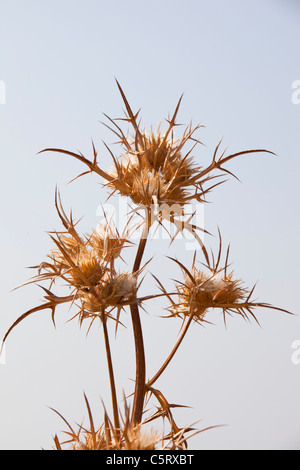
(153, 169)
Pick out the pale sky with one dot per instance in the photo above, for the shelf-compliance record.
(236, 63)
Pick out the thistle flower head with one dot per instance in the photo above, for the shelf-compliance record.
(139, 439)
(114, 290)
(154, 171)
(87, 271)
(127, 437)
(202, 291)
(155, 167)
(107, 437)
(213, 288)
(131, 439)
(107, 242)
(86, 264)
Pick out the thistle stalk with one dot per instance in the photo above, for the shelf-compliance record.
(111, 375)
(172, 353)
(140, 380)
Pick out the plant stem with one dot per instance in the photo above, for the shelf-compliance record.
(140, 252)
(172, 353)
(140, 379)
(111, 376)
(139, 392)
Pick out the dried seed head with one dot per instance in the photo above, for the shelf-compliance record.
(83, 262)
(113, 291)
(213, 288)
(139, 439)
(67, 245)
(75, 262)
(121, 288)
(86, 265)
(156, 169)
(206, 291)
(91, 441)
(156, 173)
(128, 437)
(88, 271)
(108, 437)
(72, 245)
(106, 242)
(131, 439)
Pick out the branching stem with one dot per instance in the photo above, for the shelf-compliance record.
(111, 375)
(139, 393)
(172, 353)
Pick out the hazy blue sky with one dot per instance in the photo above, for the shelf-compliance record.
(236, 63)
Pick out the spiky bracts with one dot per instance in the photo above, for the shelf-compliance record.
(127, 436)
(107, 436)
(155, 168)
(213, 287)
(86, 265)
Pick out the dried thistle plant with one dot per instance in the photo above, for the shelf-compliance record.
(155, 170)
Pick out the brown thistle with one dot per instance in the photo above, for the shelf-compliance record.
(107, 437)
(86, 264)
(214, 288)
(107, 242)
(201, 291)
(128, 436)
(154, 168)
